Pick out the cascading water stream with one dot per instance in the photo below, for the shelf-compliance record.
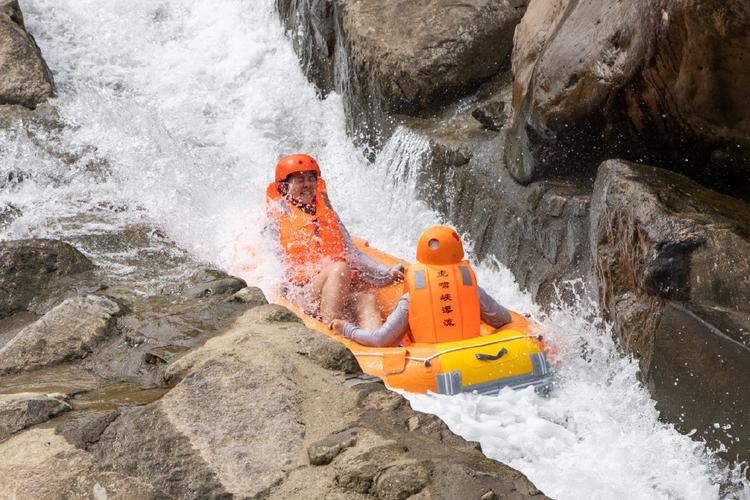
(175, 113)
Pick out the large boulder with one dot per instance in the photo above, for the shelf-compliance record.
(25, 78)
(69, 331)
(29, 267)
(662, 81)
(672, 261)
(400, 57)
(539, 231)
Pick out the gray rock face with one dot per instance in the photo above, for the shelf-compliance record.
(673, 267)
(18, 411)
(68, 331)
(27, 267)
(662, 82)
(539, 231)
(311, 30)
(25, 78)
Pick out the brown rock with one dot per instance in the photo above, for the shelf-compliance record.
(25, 78)
(399, 57)
(663, 81)
(673, 266)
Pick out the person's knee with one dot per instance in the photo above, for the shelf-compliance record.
(340, 270)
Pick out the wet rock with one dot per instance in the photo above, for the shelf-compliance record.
(673, 268)
(158, 331)
(491, 115)
(660, 82)
(26, 79)
(401, 480)
(252, 296)
(18, 411)
(27, 267)
(539, 231)
(323, 451)
(310, 26)
(331, 354)
(224, 286)
(8, 212)
(70, 330)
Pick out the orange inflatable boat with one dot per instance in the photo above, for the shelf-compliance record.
(512, 356)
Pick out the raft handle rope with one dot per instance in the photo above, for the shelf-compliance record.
(427, 360)
(490, 357)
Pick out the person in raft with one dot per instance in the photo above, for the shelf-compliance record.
(326, 273)
(442, 301)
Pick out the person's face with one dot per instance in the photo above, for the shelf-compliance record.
(302, 186)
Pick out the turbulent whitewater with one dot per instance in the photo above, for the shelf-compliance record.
(175, 113)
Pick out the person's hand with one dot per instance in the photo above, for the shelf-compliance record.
(397, 273)
(337, 326)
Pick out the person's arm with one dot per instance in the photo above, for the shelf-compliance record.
(389, 334)
(373, 272)
(271, 233)
(491, 312)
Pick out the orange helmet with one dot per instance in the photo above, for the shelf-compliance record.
(295, 163)
(440, 246)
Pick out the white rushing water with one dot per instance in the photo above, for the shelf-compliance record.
(176, 112)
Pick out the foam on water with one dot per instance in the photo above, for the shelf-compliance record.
(175, 113)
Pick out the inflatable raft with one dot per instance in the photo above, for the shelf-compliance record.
(512, 356)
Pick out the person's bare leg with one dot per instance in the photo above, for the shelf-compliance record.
(335, 291)
(368, 313)
(315, 289)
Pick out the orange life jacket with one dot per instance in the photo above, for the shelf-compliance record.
(443, 302)
(309, 241)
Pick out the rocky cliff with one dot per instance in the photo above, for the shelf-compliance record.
(518, 160)
(206, 392)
